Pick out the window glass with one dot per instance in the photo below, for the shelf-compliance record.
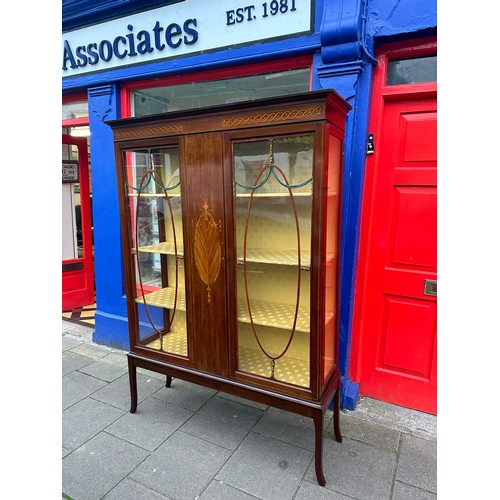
(77, 109)
(210, 93)
(404, 71)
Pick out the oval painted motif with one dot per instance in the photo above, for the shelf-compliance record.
(207, 251)
(295, 215)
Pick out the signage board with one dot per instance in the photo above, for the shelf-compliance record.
(175, 30)
(70, 171)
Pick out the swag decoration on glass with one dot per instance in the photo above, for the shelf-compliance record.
(152, 175)
(270, 168)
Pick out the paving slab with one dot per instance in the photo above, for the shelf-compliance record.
(404, 491)
(418, 462)
(84, 420)
(117, 393)
(311, 491)
(217, 490)
(185, 394)
(182, 467)
(396, 417)
(356, 469)
(96, 467)
(72, 361)
(132, 490)
(94, 351)
(288, 427)
(108, 368)
(266, 468)
(152, 423)
(77, 386)
(222, 422)
(69, 342)
(367, 432)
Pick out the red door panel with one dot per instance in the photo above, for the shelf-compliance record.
(394, 317)
(78, 271)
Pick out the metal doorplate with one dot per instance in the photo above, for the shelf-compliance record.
(430, 288)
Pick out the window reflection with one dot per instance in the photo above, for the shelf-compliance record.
(210, 93)
(405, 71)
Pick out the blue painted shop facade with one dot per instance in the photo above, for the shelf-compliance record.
(108, 47)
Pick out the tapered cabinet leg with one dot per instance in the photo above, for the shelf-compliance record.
(168, 382)
(132, 376)
(336, 416)
(318, 448)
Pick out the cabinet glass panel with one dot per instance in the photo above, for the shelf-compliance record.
(155, 211)
(273, 190)
(330, 264)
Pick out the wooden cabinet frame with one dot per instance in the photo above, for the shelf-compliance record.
(204, 143)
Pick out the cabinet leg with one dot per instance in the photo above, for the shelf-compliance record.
(132, 377)
(168, 382)
(318, 448)
(336, 416)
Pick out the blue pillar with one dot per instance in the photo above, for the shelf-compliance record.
(345, 65)
(111, 316)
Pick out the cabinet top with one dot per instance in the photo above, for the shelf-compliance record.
(287, 109)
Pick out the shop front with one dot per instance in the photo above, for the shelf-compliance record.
(139, 58)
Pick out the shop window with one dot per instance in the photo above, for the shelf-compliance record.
(75, 110)
(417, 70)
(197, 94)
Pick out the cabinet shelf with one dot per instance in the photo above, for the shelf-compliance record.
(290, 370)
(258, 256)
(153, 195)
(164, 298)
(272, 314)
(172, 342)
(165, 248)
(284, 194)
(276, 256)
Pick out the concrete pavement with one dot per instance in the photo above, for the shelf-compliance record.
(190, 442)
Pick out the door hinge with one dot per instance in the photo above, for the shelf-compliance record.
(370, 145)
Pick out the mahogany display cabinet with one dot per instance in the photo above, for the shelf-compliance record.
(230, 222)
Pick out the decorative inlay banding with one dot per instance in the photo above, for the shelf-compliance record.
(272, 117)
(146, 132)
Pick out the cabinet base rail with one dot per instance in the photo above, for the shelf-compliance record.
(304, 407)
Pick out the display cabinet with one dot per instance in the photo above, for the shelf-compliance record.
(230, 220)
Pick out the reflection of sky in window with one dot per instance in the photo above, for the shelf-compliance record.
(214, 92)
(423, 69)
(74, 110)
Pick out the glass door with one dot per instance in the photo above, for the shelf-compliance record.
(273, 204)
(154, 208)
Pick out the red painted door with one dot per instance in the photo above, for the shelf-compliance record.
(395, 306)
(77, 253)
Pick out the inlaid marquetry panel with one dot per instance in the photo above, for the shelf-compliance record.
(271, 117)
